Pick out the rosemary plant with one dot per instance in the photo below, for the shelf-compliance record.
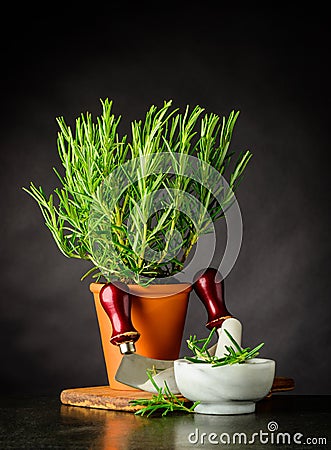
(92, 152)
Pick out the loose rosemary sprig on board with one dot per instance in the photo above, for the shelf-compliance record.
(163, 402)
(235, 355)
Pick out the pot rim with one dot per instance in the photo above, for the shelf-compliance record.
(153, 290)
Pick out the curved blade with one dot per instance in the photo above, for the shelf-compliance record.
(133, 371)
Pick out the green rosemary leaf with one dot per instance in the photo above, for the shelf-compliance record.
(195, 360)
(207, 341)
(255, 351)
(234, 342)
(89, 272)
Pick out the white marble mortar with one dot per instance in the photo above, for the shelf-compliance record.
(230, 389)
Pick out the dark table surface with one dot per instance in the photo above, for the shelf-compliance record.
(42, 422)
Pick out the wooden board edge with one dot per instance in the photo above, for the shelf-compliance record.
(68, 397)
(103, 397)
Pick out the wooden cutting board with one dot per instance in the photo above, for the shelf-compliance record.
(103, 397)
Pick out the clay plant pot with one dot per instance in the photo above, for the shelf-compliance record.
(158, 312)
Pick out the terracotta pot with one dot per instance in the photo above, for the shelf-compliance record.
(158, 312)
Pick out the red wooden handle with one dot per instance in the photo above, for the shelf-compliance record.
(117, 304)
(210, 289)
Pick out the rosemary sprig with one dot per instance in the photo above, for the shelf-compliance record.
(235, 355)
(163, 402)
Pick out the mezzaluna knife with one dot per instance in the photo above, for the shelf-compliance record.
(132, 370)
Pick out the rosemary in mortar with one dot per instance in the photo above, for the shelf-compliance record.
(235, 355)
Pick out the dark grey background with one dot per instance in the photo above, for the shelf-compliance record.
(269, 64)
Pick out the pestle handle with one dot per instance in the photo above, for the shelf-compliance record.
(234, 327)
(117, 304)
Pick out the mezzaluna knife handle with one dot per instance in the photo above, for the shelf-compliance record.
(117, 304)
(209, 287)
